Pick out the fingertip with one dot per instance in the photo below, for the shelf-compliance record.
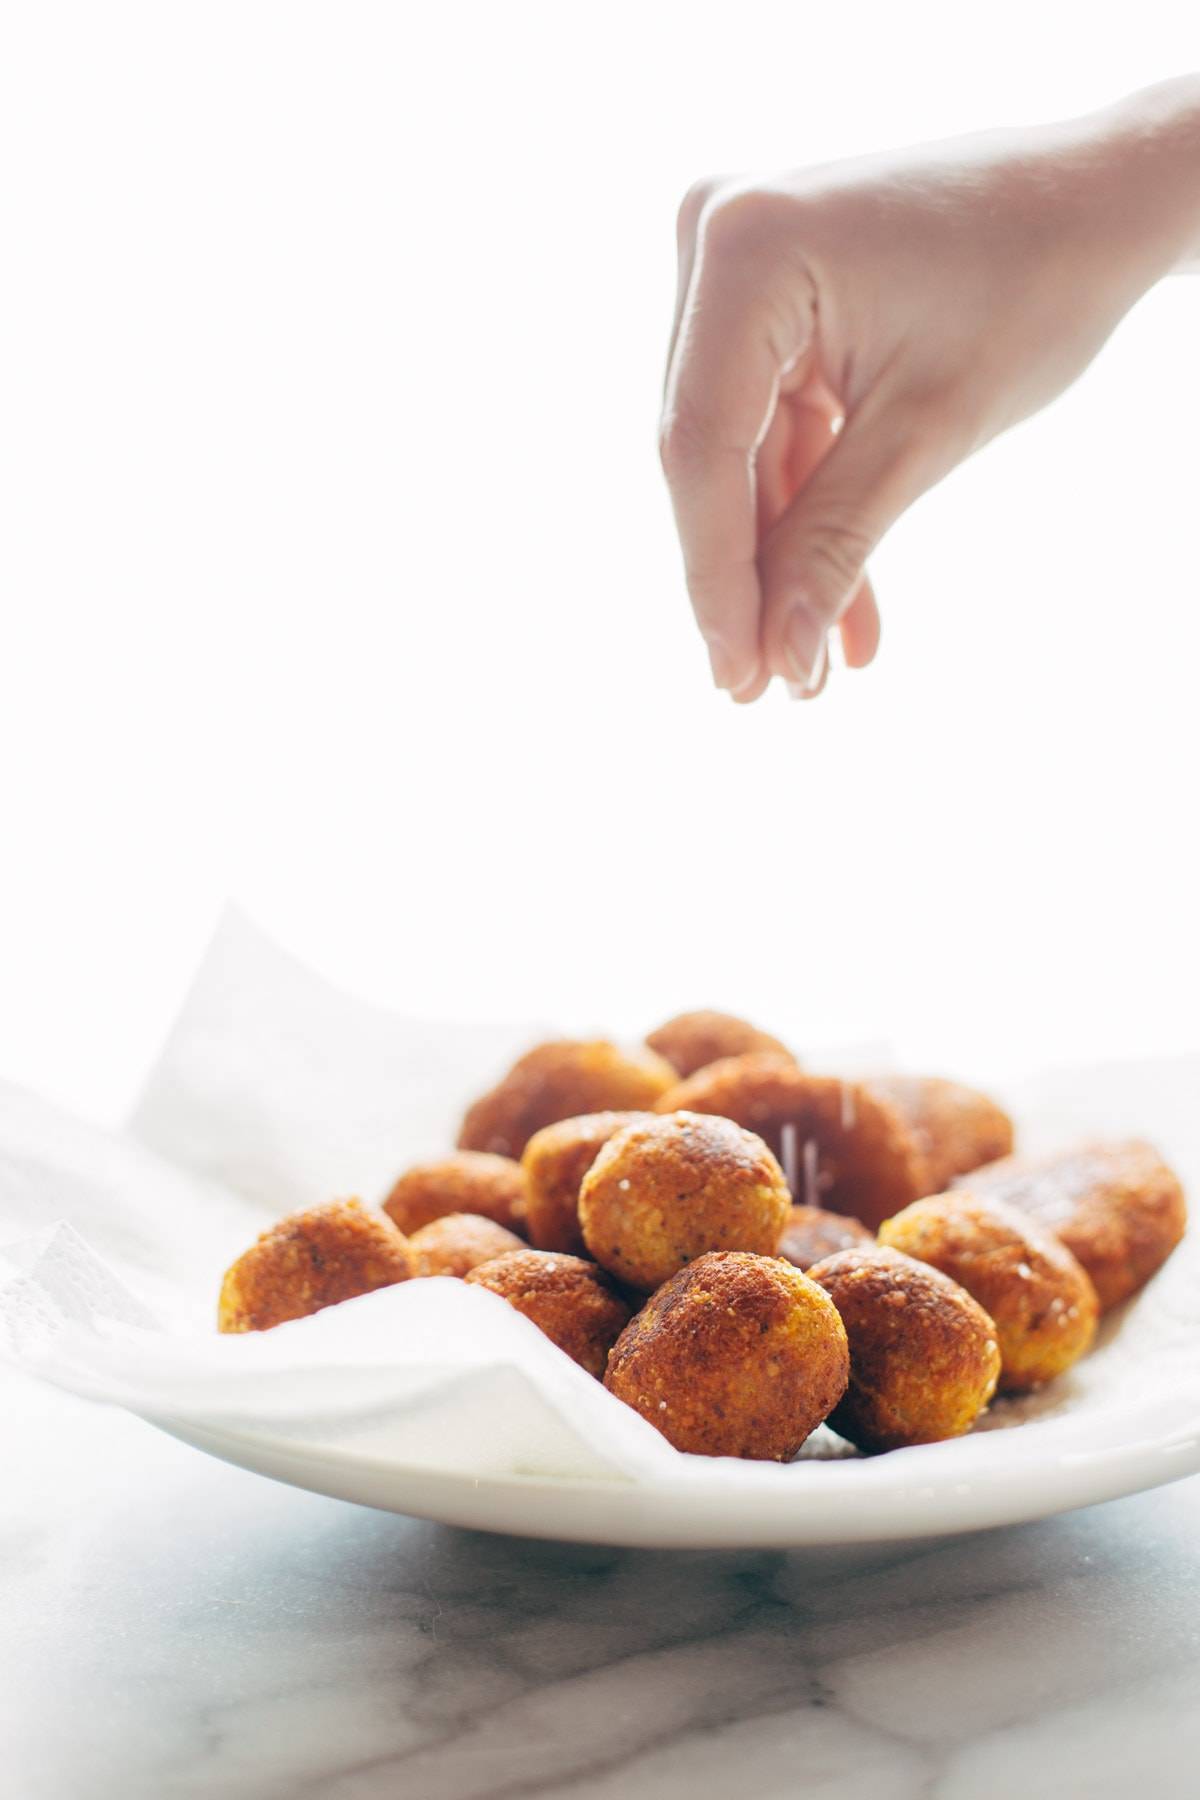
(732, 670)
(861, 628)
(751, 690)
(808, 690)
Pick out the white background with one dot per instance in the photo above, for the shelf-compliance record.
(337, 575)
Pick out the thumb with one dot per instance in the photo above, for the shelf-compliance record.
(812, 563)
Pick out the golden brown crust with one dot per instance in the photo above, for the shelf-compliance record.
(555, 1161)
(311, 1260)
(843, 1148)
(692, 1040)
(562, 1080)
(571, 1300)
(458, 1242)
(666, 1190)
(470, 1181)
(1117, 1207)
(736, 1355)
(811, 1233)
(1042, 1301)
(924, 1359)
(956, 1127)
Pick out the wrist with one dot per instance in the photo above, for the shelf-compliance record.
(1147, 156)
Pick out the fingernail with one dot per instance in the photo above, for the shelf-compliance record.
(804, 647)
(805, 690)
(720, 662)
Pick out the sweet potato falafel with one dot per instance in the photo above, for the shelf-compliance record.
(1117, 1207)
(924, 1359)
(571, 1300)
(1042, 1301)
(562, 1080)
(736, 1355)
(469, 1181)
(956, 1128)
(311, 1260)
(668, 1189)
(811, 1233)
(855, 1147)
(555, 1161)
(458, 1242)
(692, 1040)
(841, 1148)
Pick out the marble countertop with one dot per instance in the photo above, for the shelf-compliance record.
(174, 1627)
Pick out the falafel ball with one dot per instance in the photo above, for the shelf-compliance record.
(957, 1127)
(692, 1040)
(469, 1181)
(924, 1359)
(1117, 1207)
(841, 1148)
(856, 1147)
(1042, 1300)
(562, 1080)
(736, 1355)
(458, 1242)
(311, 1260)
(571, 1300)
(555, 1161)
(812, 1233)
(666, 1190)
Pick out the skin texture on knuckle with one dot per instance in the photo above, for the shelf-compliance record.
(691, 207)
(742, 220)
(824, 561)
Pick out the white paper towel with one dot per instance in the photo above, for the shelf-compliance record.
(275, 1091)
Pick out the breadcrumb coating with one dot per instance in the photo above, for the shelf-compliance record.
(311, 1260)
(668, 1189)
(1042, 1301)
(562, 1080)
(571, 1300)
(736, 1355)
(692, 1040)
(1117, 1207)
(469, 1181)
(924, 1358)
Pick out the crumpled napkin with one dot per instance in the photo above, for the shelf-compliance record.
(275, 1091)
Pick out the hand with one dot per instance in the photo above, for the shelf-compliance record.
(846, 335)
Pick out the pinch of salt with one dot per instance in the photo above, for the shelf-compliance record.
(811, 1190)
(788, 1146)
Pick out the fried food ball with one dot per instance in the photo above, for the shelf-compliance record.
(458, 1242)
(736, 1355)
(571, 1300)
(849, 1146)
(311, 1260)
(693, 1040)
(666, 1190)
(562, 1080)
(1116, 1206)
(470, 1181)
(924, 1359)
(841, 1148)
(812, 1233)
(956, 1127)
(555, 1161)
(1042, 1301)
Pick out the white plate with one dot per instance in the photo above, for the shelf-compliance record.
(1000, 1477)
(1124, 1419)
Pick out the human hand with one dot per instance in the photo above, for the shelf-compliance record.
(846, 335)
